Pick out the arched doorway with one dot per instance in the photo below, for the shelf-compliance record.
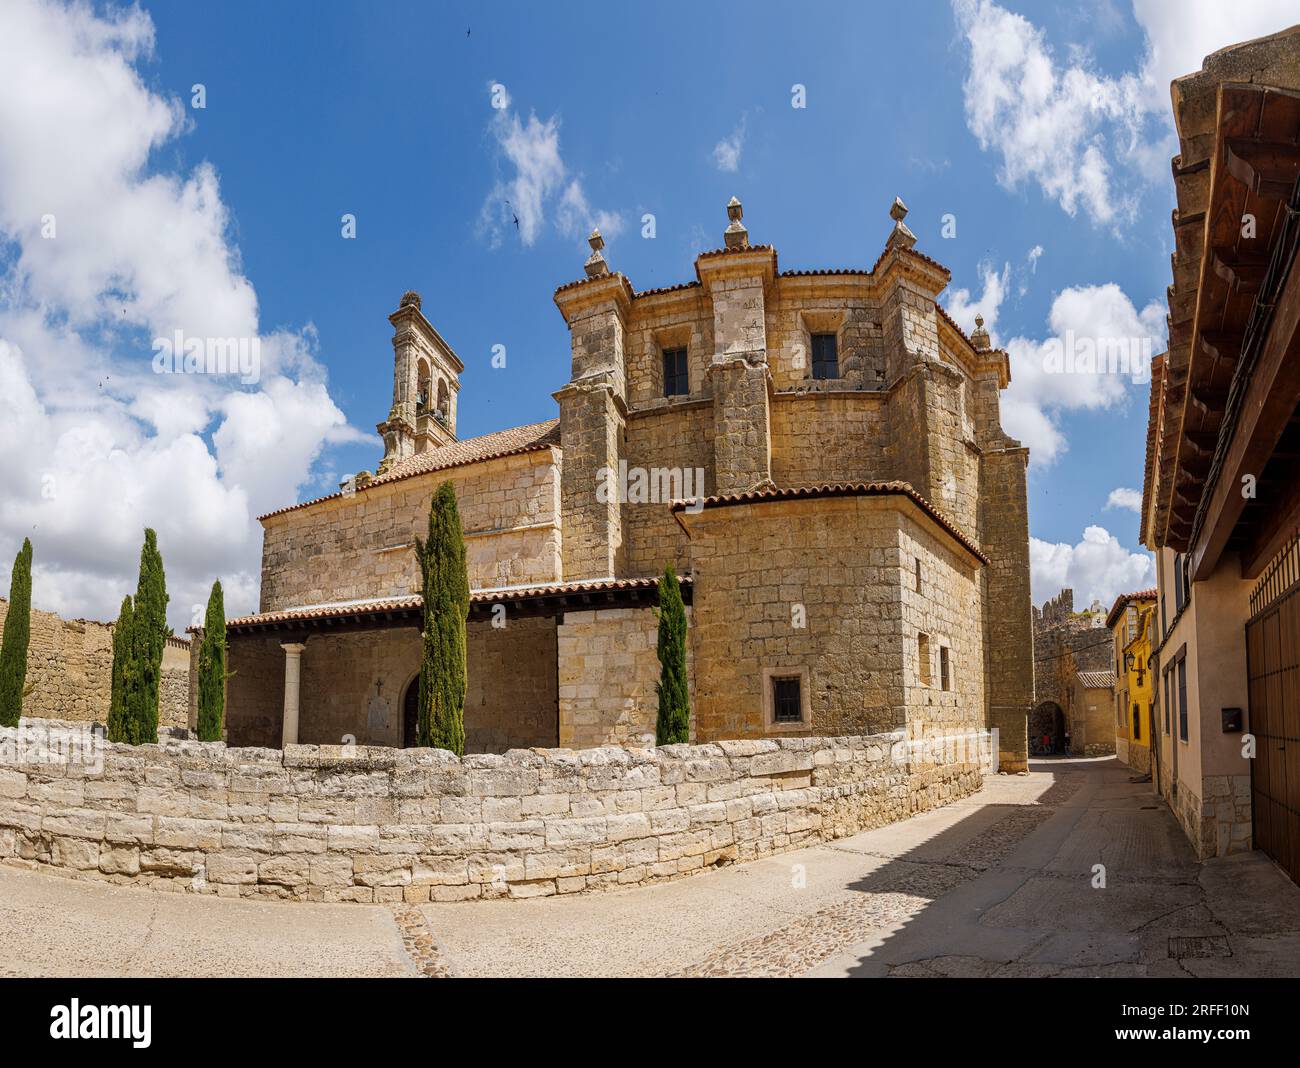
(1047, 729)
(411, 713)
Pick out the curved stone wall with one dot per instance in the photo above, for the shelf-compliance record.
(334, 823)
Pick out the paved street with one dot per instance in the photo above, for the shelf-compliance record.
(997, 885)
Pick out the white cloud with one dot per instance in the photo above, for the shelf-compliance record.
(1089, 140)
(1097, 568)
(540, 180)
(1130, 499)
(1035, 254)
(726, 153)
(107, 447)
(963, 307)
(1082, 319)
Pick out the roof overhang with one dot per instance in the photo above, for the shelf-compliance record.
(395, 613)
(1231, 379)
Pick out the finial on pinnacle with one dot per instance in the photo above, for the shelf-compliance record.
(410, 299)
(735, 236)
(596, 265)
(979, 336)
(901, 235)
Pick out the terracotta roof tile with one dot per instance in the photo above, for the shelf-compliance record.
(840, 489)
(493, 446)
(1122, 601)
(1095, 680)
(492, 595)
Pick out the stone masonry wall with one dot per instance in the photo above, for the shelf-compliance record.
(676, 437)
(70, 670)
(816, 586)
(374, 824)
(1220, 824)
(608, 668)
(361, 546)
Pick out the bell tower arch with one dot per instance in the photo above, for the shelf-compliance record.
(426, 384)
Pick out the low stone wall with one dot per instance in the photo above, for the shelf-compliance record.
(333, 823)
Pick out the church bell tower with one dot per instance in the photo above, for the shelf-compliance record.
(426, 382)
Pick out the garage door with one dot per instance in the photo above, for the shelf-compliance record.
(1273, 649)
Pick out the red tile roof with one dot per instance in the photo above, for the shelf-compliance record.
(519, 439)
(502, 594)
(840, 489)
(1096, 680)
(1122, 602)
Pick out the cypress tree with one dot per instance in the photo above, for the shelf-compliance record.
(117, 727)
(17, 634)
(212, 668)
(673, 723)
(148, 639)
(441, 717)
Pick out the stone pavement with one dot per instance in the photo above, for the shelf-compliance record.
(997, 884)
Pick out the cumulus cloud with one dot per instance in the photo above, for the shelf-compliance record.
(137, 252)
(1091, 140)
(1097, 568)
(726, 153)
(1129, 499)
(538, 181)
(963, 307)
(1054, 375)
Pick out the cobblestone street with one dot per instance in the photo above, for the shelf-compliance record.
(999, 884)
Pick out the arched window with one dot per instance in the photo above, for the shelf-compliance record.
(422, 388)
(442, 400)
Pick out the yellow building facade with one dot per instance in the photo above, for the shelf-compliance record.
(1131, 622)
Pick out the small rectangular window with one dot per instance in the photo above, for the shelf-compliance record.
(945, 680)
(1182, 700)
(1180, 591)
(1137, 725)
(787, 699)
(825, 360)
(923, 658)
(676, 380)
(918, 574)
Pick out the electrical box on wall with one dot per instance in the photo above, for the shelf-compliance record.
(1231, 720)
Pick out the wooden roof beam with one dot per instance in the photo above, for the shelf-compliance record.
(1267, 168)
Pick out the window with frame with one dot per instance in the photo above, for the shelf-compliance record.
(945, 677)
(676, 377)
(1137, 723)
(1166, 688)
(1180, 589)
(1182, 700)
(825, 358)
(787, 699)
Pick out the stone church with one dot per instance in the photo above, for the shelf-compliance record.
(817, 452)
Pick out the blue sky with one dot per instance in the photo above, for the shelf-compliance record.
(1058, 142)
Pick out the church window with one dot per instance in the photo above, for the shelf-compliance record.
(825, 359)
(676, 379)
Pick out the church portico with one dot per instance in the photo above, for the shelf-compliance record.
(348, 672)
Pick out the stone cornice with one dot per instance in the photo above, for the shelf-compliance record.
(410, 318)
(586, 294)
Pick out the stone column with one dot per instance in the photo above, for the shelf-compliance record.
(593, 410)
(736, 282)
(292, 687)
